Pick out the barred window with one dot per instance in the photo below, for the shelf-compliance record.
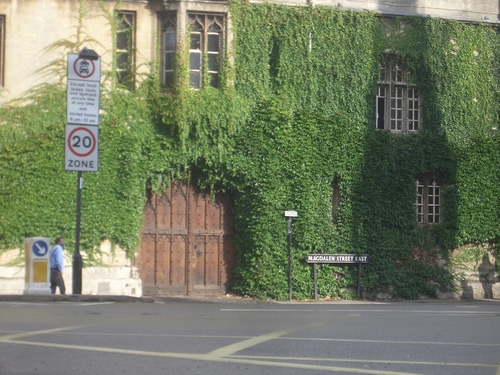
(428, 200)
(205, 50)
(125, 48)
(398, 101)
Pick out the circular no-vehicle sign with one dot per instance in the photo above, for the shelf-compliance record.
(84, 68)
(81, 147)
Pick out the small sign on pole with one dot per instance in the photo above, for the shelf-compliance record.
(290, 215)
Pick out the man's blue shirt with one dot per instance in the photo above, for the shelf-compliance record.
(57, 258)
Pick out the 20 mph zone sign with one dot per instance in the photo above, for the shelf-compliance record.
(82, 148)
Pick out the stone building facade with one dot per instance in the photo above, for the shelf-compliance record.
(29, 27)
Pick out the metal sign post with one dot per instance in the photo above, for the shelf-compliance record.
(289, 218)
(77, 256)
(82, 133)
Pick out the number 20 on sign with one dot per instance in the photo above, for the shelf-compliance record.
(82, 148)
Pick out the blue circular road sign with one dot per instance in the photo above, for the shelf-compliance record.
(40, 248)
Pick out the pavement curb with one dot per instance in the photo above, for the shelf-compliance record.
(117, 298)
(203, 299)
(71, 298)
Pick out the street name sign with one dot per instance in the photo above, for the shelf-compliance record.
(83, 90)
(81, 148)
(338, 258)
(357, 259)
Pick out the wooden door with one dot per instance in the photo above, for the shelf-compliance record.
(187, 243)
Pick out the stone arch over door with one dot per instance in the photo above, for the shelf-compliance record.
(187, 245)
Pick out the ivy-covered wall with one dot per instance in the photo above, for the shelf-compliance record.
(299, 116)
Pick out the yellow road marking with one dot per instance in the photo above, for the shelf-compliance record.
(281, 338)
(355, 360)
(392, 341)
(230, 349)
(209, 358)
(226, 354)
(9, 338)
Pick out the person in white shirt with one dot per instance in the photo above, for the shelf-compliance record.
(57, 267)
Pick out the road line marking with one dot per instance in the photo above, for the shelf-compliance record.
(407, 312)
(277, 337)
(225, 354)
(355, 360)
(84, 304)
(391, 341)
(59, 303)
(236, 347)
(282, 338)
(13, 337)
(209, 358)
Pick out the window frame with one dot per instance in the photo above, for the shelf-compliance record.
(204, 65)
(335, 198)
(2, 49)
(398, 104)
(125, 68)
(429, 199)
(207, 75)
(168, 57)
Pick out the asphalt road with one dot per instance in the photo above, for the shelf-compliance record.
(186, 338)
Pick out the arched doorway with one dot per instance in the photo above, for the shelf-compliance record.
(187, 243)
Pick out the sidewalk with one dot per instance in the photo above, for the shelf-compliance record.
(70, 298)
(115, 298)
(201, 298)
(161, 299)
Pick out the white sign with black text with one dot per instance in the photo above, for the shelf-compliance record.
(83, 90)
(82, 148)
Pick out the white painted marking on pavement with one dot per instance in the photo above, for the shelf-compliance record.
(226, 354)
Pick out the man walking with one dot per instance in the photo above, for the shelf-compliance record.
(57, 267)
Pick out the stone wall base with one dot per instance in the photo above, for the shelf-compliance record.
(116, 276)
(476, 273)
